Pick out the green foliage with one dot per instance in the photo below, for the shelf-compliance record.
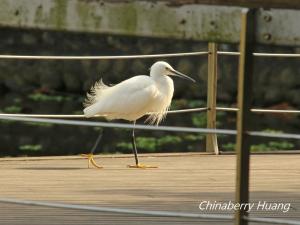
(43, 124)
(189, 141)
(193, 137)
(12, 109)
(196, 103)
(281, 145)
(168, 139)
(184, 103)
(30, 148)
(272, 146)
(17, 100)
(199, 120)
(146, 143)
(220, 118)
(269, 146)
(268, 130)
(124, 145)
(220, 114)
(150, 144)
(7, 122)
(178, 104)
(122, 130)
(77, 112)
(43, 97)
(229, 146)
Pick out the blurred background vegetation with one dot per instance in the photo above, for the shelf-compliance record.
(59, 87)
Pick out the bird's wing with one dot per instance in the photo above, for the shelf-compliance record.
(129, 99)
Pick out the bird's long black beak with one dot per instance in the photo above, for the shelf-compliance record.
(178, 74)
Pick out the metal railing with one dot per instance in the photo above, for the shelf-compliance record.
(168, 55)
(211, 108)
(45, 119)
(151, 213)
(212, 53)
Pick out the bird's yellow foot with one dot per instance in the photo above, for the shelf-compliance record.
(91, 160)
(141, 166)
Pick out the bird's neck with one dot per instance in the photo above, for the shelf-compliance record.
(164, 83)
(158, 78)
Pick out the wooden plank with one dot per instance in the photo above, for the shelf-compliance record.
(211, 139)
(245, 74)
(179, 184)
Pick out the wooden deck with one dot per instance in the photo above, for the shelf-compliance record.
(180, 183)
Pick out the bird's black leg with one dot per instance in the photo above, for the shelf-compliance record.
(134, 150)
(97, 141)
(90, 156)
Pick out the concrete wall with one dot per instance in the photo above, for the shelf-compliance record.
(150, 18)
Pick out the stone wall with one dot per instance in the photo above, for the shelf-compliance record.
(276, 79)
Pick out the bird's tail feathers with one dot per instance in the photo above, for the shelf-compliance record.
(95, 93)
(91, 111)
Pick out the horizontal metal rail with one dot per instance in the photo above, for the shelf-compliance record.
(272, 220)
(148, 127)
(55, 57)
(263, 54)
(273, 134)
(284, 111)
(203, 109)
(62, 116)
(145, 212)
(118, 210)
(121, 125)
(169, 55)
(226, 109)
(228, 53)
(66, 116)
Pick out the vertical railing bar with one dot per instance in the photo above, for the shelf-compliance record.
(245, 74)
(211, 139)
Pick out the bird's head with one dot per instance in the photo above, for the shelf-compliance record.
(163, 68)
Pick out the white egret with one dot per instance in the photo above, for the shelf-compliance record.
(133, 98)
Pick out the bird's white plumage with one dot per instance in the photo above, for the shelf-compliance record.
(135, 97)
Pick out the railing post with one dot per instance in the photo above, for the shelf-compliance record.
(211, 139)
(245, 76)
